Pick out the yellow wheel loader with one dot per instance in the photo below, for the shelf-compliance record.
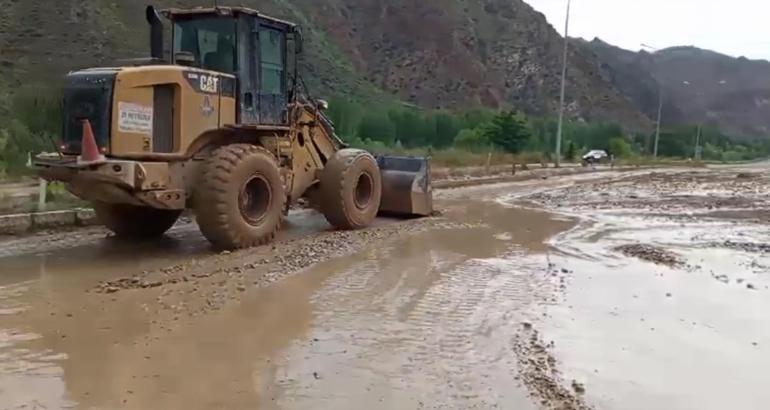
(221, 129)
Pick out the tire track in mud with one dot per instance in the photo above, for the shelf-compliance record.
(443, 334)
(446, 334)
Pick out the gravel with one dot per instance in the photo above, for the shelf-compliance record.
(652, 254)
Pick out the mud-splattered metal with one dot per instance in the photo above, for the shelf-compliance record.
(406, 187)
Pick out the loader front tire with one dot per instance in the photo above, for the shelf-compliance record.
(240, 200)
(135, 222)
(351, 189)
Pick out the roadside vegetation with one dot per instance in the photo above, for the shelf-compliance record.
(30, 126)
(475, 136)
(467, 137)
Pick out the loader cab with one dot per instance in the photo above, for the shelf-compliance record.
(260, 51)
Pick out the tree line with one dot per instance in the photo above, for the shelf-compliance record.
(34, 123)
(482, 130)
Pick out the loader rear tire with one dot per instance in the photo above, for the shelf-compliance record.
(135, 222)
(240, 200)
(351, 189)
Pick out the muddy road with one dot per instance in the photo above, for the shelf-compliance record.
(617, 290)
(667, 306)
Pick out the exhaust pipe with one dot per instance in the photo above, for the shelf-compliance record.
(156, 32)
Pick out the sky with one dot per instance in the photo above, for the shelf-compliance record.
(732, 27)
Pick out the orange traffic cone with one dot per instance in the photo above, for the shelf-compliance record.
(89, 151)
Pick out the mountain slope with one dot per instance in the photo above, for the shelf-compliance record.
(442, 54)
(699, 86)
(459, 52)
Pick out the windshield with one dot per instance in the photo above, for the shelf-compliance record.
(211, 41)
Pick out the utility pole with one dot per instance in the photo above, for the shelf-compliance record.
(560, 127)
(660, 107)
(657, 126)
(698, 149)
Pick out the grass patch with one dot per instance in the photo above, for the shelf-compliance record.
(456, 157)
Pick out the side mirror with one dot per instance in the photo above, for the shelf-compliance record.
(299, 40)
(322, 105)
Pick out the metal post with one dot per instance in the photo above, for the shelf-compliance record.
(657, 126)
(560, 127)
(660, 108)
(488, 168)
(698, 150)
(41, 199)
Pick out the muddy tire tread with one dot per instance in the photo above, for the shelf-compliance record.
(333, 177)
(134, 222)
(212, 203)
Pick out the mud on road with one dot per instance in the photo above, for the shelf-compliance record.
(516, 297)
(667, 304)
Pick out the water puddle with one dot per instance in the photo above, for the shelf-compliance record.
(425, 320)
(641, 335)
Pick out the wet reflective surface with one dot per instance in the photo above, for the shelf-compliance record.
(425, 319)
(641, 335)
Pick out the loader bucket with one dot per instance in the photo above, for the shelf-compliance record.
(406, 186)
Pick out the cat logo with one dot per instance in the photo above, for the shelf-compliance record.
(206, 108)
(209, 84)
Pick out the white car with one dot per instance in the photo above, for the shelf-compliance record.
(594, 157)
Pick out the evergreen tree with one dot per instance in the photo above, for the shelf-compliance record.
(509, 131)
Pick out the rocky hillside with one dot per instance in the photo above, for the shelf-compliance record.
(699, 86)
(449, 53)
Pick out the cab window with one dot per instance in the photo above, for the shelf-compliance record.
(271, 46)
(210, 41)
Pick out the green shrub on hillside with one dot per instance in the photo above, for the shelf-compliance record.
(39, 109)
(619, 148)
(377, 127)
(571, 152)
(35, 115)
(17, 142)
(345, 114)
(473, 140)
(3, 143)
